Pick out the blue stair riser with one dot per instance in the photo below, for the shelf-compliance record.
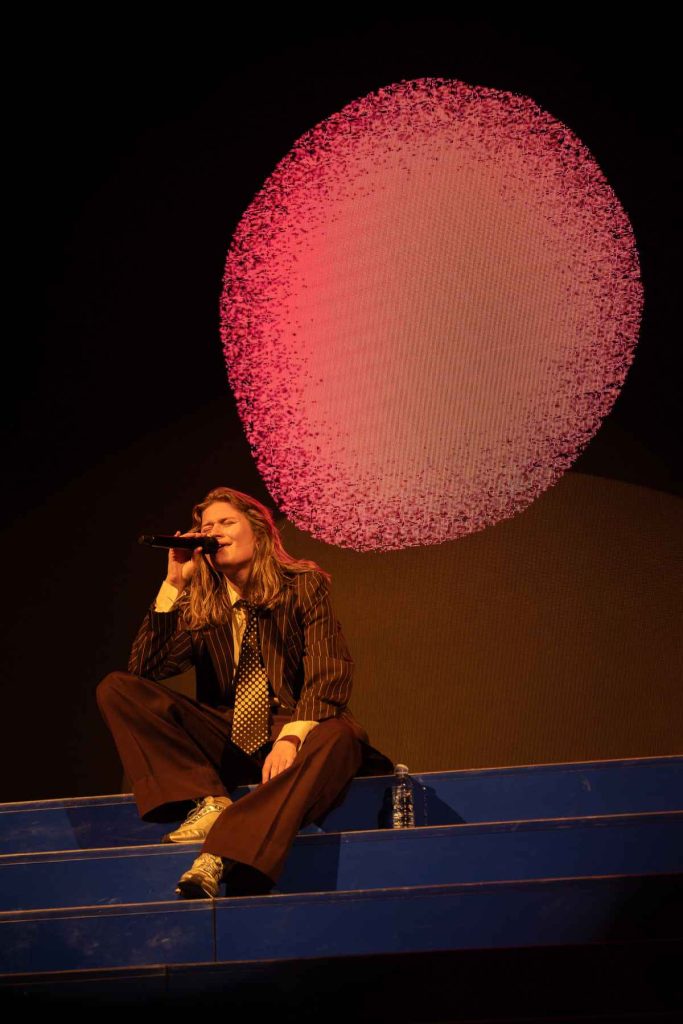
(442, 798)
(629, 844)
(108, 937)
(493, 915)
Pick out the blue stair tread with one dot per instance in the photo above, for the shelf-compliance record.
(465, 796)
(671, 764)
(443, 854)
(521, 912)
(345, 896)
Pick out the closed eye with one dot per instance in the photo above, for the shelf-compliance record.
(223, 522)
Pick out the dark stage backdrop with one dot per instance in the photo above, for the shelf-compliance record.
(551, 636)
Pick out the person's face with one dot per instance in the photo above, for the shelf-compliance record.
(234, 534)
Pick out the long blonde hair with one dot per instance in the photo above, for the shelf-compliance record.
(205, 602)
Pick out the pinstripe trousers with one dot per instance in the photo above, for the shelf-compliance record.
(175, 749)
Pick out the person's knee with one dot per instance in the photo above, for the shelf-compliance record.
(336, 734)
(111, 683)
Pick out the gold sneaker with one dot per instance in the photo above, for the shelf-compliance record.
(199, 821)
(203, 878)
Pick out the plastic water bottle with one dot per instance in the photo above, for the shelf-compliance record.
(402, 804)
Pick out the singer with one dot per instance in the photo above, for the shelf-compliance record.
(274, 676)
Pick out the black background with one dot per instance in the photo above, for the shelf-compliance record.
(139, 146)
(135, 147)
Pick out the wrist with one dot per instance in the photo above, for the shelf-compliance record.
(292, 739)
(175, 583)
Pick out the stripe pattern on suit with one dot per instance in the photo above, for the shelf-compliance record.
(304, 651)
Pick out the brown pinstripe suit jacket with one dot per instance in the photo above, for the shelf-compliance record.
(304, 651)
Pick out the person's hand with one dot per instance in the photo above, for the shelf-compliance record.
(281, 757)
(182, 563)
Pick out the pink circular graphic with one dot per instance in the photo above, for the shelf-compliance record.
(427, 311)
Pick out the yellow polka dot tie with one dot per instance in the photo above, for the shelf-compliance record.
(251, 717)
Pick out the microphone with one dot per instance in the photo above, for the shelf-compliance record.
(208, 544)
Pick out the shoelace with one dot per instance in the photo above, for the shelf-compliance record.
(209, 867)
(203, 806)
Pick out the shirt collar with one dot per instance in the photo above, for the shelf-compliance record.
(232, 593)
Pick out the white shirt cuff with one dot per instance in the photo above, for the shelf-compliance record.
(166, 597)
(298, 729)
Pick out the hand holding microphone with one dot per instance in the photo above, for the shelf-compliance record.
(183, 560)
(182, 564)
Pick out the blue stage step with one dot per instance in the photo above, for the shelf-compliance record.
(510, 857)
(517, 793)
(439, 855)
(417, 918)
